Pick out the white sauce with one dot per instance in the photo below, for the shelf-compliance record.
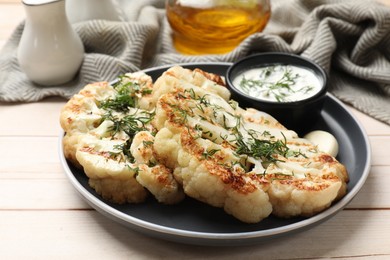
(281, 83)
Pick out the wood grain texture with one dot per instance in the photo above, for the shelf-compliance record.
(43, 217)
(87, 234)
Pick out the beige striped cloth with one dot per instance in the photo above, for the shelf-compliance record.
(349, 39)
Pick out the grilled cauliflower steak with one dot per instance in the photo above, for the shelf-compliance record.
(207, 173)
(81, 114)
(182, 136)
(104, 126)
(109, 173)
(157, 179)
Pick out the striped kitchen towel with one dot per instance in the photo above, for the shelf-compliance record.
(349, 39)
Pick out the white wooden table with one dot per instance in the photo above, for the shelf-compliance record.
(42, 216)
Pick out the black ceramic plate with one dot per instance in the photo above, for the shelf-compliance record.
(193, 222)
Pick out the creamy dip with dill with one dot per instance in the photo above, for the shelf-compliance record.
(281, 83)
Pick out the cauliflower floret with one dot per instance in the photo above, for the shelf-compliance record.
(157, 179)
(261, 118)
(168, 150)
(141, 148)
(178, 78)
(263, 122)
(305, 185)
(110, 174)
(81, 113)
(145, 83)
(246, 206)
(119, 191)
(302, 197)
(70, 144)
(161, 183)
(210, 82)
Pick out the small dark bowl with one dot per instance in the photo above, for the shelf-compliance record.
(299, 116)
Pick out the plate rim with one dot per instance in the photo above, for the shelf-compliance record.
(192, 237)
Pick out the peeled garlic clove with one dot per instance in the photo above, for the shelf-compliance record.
(325, 142)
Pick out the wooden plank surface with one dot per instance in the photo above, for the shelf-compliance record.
(43, 217)
(87, 234)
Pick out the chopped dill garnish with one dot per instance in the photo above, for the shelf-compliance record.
(125, 97)
(129, 124)
(209, 153)
(125, 149)
(147, 143)
(261, 149)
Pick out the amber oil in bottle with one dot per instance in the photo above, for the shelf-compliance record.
(214, 29)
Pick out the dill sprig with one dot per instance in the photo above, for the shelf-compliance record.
(264, 149)
(125, 97)
(125, 150)
(122, 101)
(129, 124)
(209, 153)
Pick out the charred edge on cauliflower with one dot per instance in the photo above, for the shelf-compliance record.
(226, 171)
(123, 155)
